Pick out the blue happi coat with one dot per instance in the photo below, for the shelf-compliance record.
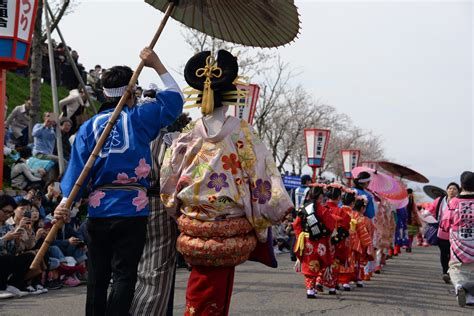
(119, 175)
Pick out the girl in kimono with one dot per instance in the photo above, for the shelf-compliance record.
(339, 244)
(359, 238)
(313, 226)
(225, 199)
(368, 252)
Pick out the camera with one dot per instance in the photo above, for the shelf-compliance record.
(27, 214)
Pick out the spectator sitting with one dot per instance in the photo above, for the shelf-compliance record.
(52, 197)
(13, 267)
(45, 138)
(21, 175)
(65, 126)
(18, 121)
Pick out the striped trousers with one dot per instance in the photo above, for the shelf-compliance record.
(157, 265)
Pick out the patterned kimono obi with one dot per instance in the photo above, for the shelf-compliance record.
(225, 243)
(227, 196)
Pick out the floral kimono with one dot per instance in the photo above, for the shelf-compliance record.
(359, 240)
(340, 251)
(314, 255)
(226, 192)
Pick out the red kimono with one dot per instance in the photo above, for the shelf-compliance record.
(315, 254)
(359, 240)
(340, 251)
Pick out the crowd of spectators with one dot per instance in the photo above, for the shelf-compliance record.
(31, 179)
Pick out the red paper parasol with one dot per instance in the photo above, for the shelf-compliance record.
(384, 185)
(403, 172)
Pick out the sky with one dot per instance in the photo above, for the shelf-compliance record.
(402, 69)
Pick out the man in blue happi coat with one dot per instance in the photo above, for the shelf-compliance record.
(118, 205)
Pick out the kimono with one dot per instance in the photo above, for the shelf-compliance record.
(384, 231)
(458, 220)
(314, 255)
(225, 199)
(119, 174)
(339, 251)
(401, 232)
(359, 241)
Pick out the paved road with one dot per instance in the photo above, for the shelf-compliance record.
(409, 285)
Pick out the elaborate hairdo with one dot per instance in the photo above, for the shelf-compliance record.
(348, 197)
(360, 203)
(334, 191)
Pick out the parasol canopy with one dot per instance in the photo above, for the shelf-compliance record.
(434, 192)
(403, 172)
(260, 23)
(384, 185)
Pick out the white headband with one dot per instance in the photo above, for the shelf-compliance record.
(115, 92)
(363, 180)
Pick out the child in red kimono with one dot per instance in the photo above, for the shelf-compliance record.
(313, 226)
(339, 243)
(368, 252)
(359, 238)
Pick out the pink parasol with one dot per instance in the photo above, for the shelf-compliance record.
(385, 186)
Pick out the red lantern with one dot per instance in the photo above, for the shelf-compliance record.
(317, 141)
(246, 112)
(17, 20)
(16, 28)
(350, 160)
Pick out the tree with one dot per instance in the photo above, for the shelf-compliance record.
(60, 8)
(285, 110)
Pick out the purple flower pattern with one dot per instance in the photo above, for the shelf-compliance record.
(262, 191)
(218, 181)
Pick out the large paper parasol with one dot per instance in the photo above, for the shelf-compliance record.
(384, 185)
(434, 192)
(262, 23)
(403, 172)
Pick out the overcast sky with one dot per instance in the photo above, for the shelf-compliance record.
(402, 69)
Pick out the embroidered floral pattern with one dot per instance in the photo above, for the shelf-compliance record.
(95, 197)
(321, 250)
(122, 178)
(262, 191)
(141, 201)
(231, 162)
(143, 169)
(218, 181)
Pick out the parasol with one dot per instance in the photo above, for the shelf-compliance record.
(261, 23)
(384, 185)
(403, 172)
(434, 192)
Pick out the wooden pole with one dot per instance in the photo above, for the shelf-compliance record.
(54, 92)
(71, 61)
(35, 267)
(3, 99)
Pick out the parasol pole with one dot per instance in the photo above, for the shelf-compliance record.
(71, 61)
(35, 267)
(54, 92)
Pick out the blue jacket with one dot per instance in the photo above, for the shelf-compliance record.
(119, 175)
